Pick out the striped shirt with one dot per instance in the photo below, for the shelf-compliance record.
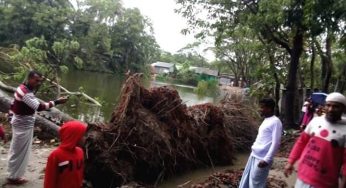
(25, 102)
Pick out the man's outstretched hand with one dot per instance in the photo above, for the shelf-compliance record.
(288, 169)
(61, 100)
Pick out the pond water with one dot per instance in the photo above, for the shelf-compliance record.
(106, 88)
(198, 176)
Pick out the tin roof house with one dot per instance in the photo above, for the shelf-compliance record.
(163, 67)
(206, 73)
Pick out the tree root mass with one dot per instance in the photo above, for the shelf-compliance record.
(153, 135)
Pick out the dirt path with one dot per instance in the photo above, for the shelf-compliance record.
(277, 172)
(232, 90)
(198, 178)
(35, 170)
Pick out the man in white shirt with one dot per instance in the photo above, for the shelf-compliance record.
(264, 148)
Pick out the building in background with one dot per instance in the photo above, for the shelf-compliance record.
(206, 73)
(226, 79)
(163, 67)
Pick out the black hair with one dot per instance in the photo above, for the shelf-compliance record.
(32, 73)
(268, 102)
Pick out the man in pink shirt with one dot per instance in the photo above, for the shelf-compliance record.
(320, 149)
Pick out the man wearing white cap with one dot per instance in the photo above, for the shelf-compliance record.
(320, 149)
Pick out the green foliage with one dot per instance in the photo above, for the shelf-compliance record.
(101, 101)
(202, 87)
(81, 89)
(209, 87)
(78, 62)
(243, 30)
(95, 35)
(63, 68)
(189, 58)
(186, 76)
(163, 78)
(24, 19)
(49, 59)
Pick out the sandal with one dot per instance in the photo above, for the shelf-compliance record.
(19, 181)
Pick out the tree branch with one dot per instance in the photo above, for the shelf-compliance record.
(283, 43)
(87, 97)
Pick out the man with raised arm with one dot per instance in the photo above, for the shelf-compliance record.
(23, 110)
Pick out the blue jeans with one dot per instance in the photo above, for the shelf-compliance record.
(253, 176)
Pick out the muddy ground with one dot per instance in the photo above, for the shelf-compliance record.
(35, 172)
(41, 150)
(200, 178)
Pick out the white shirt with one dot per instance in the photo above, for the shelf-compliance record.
(268, 139)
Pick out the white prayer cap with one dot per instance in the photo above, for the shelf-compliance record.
(336, 97)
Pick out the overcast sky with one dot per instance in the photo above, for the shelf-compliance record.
(167, 24)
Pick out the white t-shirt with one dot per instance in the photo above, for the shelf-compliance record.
(268, 139)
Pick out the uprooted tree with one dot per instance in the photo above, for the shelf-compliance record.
(153, 135)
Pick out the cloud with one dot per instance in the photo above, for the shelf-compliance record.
(167, 25)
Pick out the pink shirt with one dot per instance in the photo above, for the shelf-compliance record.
(321, 150)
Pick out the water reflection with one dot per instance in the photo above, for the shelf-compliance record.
(106, 89)
(186, 93)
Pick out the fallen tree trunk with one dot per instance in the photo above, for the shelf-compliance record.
(44, 124)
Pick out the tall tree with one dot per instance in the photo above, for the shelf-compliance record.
(49, 59)
(112, 38)
(326, 61)
(241, 51)
(284, 22)
(24, 19)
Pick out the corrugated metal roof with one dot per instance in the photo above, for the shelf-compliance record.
(207, 71)
(162, 64)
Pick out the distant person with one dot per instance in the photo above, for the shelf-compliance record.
(2, 133)
(23, 109)
(303, 110)
(320, 149)
(65, 165)
(308, 115)
(319, 111)
(263, 150)
(3, 118)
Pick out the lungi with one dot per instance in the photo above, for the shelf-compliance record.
(301, 184)
(22, 134)
(253, 176)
